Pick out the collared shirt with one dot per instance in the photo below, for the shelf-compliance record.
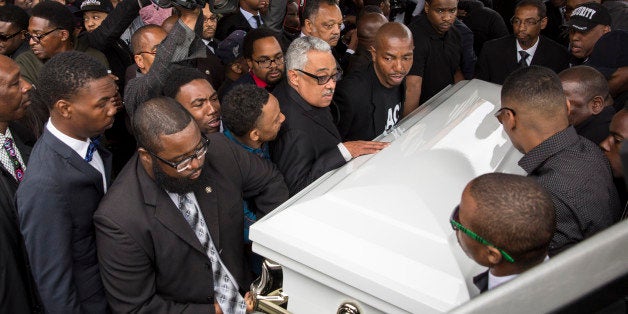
(80, 147)
(258, 81)
(495, 281)
(436, 57)
(261, 152)
(4, 156)
(530, 50)
(250, 19)
(578, 177)
(206, 42)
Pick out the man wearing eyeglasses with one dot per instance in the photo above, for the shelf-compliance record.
(13, 24)
(170, 231)
(265, 59)
(308, 144)
(534, 115)
(526, 47)
(504, 222)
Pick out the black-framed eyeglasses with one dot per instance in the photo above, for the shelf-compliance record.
(457, 226)
(528, 22)
(184, 164)
(498, 113)
(323, 79)
(38, 38)
(267, 63)
(7, 37)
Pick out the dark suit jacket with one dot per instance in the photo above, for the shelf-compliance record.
(17, 288)
(151, 260)
(306, 146)
(212, 68)
(232, 22)
(56, 202)
(361, 117)
(499, 58)
(481, 281)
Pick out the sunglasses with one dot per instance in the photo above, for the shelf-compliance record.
(7, 37)
(457, 226)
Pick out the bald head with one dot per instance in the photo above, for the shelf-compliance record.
(368, 25)
(587, 91)
(392, 31)
(143, 37)
(589, 80)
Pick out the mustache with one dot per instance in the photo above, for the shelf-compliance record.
(328, 92)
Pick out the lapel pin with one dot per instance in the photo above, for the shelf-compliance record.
(208, 189)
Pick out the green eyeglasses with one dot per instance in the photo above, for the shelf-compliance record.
(456, 225)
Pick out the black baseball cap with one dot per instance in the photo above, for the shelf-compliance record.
(587, 16)
(96, 5)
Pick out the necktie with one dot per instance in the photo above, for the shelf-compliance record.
(213, 45)
(225, 291)
(524, 56)
(17, 167)
(258, 21)
(93, 144)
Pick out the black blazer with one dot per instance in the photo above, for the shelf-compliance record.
(17, 288)
(232, 22)
(56, 202)
(499, 58)
(212, 68)
(151, 260)
(306, 146)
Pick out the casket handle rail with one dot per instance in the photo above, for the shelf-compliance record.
(267, 289)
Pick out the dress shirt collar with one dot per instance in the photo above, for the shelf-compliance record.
(495, 281)
(530, 50)
(258, 81)
(555, 143)
(248, 16)
(80, 147)
(261, 152)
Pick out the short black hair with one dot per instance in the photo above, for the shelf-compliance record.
(242, 107)
(15, 15)
(156, 117)
(536, 87)
(182, 76)
(590, 81)
(57, 14)
(514, 213)
(254, 35)
(312, 6)
(64, 74)
(540, 6)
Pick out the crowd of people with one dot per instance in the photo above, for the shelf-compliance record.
(141, 140)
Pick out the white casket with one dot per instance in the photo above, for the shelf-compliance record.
(375, 233)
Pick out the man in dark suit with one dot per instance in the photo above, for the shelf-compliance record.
(526, 47)
(504, 222)
(170, 230)
(210, 65)
(16, 285)
(68, 173)
(370, 101)
(308, 144)
(246, 18)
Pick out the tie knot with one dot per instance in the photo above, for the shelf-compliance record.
(93, 144)
(523, 54)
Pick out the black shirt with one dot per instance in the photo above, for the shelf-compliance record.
(436, 57)
(578, 177)
(365, 107)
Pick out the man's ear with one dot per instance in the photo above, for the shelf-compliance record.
(139, 61)
(544, 22)
(373, 53)
(493, 255)
(426, 9)
(254, 135)
(65, 35)
(145, 156)
(64, 108)
(307, 26)
(249, 62)
(293, 77)
(596, 105)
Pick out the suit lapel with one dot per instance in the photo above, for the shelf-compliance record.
(321, 116)
(165, 210)
(74, 160)
(538, 57)
(106, 157)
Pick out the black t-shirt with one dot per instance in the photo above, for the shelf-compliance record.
(436, 57)
(388, 102)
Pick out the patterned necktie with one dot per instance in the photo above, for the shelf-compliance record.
(258, 21)
(17, 166)
(524, 56)
(225, 291)
(93, 144)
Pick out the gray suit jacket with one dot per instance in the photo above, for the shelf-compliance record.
(56, 202)
(151, 260)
